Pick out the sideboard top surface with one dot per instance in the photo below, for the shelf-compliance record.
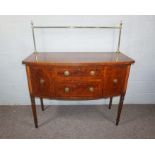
(77, 57)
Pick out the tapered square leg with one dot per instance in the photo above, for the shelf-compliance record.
(110, 102)
(42, 104)
(120, 108)
(33, 106)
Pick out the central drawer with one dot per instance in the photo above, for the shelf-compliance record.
(78, 89)
(70, 72)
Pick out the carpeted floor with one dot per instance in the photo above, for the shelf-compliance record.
(137, 121)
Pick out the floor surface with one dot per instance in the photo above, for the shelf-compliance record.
(74, 122)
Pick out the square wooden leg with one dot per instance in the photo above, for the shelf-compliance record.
(120, 108)
(33, 106)
(110, 102)
(42, 104)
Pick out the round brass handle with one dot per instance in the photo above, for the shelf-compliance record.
(91, 89)
(115, 81)
(42, 81)
(92, 72)
(66, 89)
(66, 73)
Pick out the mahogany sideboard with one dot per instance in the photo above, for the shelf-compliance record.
(77, 76)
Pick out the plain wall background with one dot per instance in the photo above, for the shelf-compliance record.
(138, 42)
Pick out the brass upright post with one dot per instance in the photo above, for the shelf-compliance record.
(119, 38)
(34, 41)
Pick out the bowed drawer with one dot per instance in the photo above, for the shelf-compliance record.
(78, 89)
(69, 72)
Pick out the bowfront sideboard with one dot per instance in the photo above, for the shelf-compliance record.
(77, 76)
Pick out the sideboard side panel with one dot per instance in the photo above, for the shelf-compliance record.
(126, 78)
(114, 80)
(41, 80)
(29, 79)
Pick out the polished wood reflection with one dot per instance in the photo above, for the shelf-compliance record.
(77, 76)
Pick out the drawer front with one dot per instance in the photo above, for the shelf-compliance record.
(69, 72)
(41, 81)
(78, 89)
(114, 80)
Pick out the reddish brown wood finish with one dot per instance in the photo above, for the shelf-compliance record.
(42, 83)
(76, 72)
(77, 76)
(114, 80)
(74, 58)
(78, 89)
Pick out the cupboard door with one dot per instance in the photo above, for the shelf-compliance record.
(114, 80)
(41, 80)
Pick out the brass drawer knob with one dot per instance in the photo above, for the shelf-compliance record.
(66, 89)
(91, 89)
(42, 81)
(92, 73)
(66, 73)
(115, 81)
